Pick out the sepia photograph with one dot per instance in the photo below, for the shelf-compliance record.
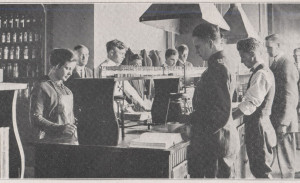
(149, 91)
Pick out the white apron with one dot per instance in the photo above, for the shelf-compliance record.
(65, 116)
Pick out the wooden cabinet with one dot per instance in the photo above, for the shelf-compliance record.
(8, 97)
(22, 33)
(87, 161)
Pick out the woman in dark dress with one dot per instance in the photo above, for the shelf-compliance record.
(51, 103)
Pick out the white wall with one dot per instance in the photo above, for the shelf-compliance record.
(121, 21)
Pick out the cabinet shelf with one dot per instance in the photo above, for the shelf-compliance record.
(33, 61)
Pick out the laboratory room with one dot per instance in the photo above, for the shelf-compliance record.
(149, 90)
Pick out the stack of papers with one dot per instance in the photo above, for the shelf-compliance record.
(137, 116)
(156, 140)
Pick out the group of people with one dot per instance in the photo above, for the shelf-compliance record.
(269, 107)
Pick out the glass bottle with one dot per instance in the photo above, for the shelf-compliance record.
(14, 37)
(33, 22)
(20, 37)
(15, 71)
(1, 53)
(9, 70)
(33, 54)
(8, 37)
(17, 21)
(36, 37)
(30, 37)
(25, 37)
(0, 21)
(28, 22)
(22, 21)
(25, 53)
(5, 53)
(3, 37)
(5, 22)
(27, 70)
(18, 52)
(37, 71)
(12, 53)
(11, 21)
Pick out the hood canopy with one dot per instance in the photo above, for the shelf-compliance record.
(240, 26)
(175, 17)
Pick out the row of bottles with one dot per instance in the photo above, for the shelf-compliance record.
(14, 71)
(20, 37)
(18, 52)
(17, 21)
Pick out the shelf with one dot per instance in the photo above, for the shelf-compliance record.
(21, 61)
(22, 80)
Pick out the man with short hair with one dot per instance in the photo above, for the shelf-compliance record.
(81, 71)
(256, 107)
(171, 56)
(116, 50)
(183, 52)
(284, 111)
(214, 141)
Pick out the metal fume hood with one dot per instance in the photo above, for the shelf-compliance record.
(182, 18)
(240, 26)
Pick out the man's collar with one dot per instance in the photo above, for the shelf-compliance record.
(79, 68)
(182, 62)
(278, 56)
(255, 66)
(112, 62)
